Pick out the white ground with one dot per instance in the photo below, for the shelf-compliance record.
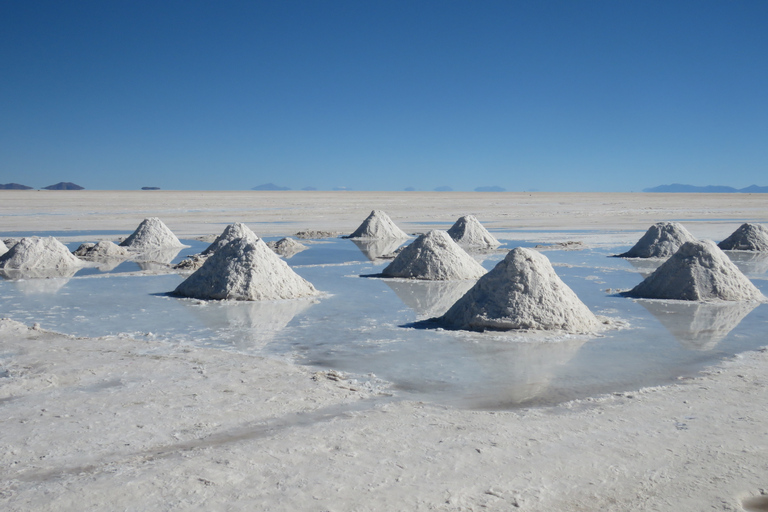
(124, 424)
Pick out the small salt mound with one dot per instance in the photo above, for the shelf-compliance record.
(699, 270)
(34, 253)
(661, 240)
(245, 270)
(3, 248)
(469, 232)
(436, 257)
(286, 247)
(151, 234)
(103, 250)
(749, 237)
(231, 232)
(378, 225)
(521, 292)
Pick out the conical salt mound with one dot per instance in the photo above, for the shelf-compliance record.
(521, 292)
(286, 247)
(231, 232)
(436, 257)
(661, 240)
(34, 253)
(3, 248)
(151, 234)
(378, 225)
(245, 270)
(749, 237)
(469, 232)
(697, 271)
(103, 250)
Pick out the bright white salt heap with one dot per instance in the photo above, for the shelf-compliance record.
(151, 234)
(103, 250)
(378, 225)
(697, 271)
(749, 237)
(434, 256)
(35, 253)
(3, 248)
(286, 247)
(245, 270)
(469, 232)
(231, 232)
(521, 292)
(660, 241)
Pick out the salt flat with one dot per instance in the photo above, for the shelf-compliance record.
(133, 423)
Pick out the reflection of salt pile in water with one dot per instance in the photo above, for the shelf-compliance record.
(699, 325)
(436, 257)
(661, 240)
(521, 292)
(39, 257)
(697, 271)
(101, 251)
(748, 237)
(429, 298)
(376, 250)
(469, 232)
(286, 247)
(750, 262)
(245, 270)
(231, 232)
(378, 225)
(151, 234)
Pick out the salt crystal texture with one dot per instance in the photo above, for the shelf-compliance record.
(521, 292)
(468, 231)
(436, 257)
(697, 271)
(151, 234)
(661, 240)
(245, 270)
(286, 247)
(231, 232)
(103, 250)
(749, 237)
(35, 253)
(378, 225)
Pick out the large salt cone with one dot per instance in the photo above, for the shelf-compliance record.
(378, 225)
(661, 240)
(245, 270)
(748, 237)
(231, 232)
(521, 292)
(697, 271)
(35, 253)
(151, 234)
(468, 231)
(435, 257)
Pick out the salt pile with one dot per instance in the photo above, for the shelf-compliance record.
(151, 234)
(436, 257)
(245, 270)
(660, 241)
(699, 270)
(749, 237)
(286, 247)
(469, 232)
(378, 225)
(521, 292)
(35, 253)
(103, 250)
(231, 232)
(3, 248)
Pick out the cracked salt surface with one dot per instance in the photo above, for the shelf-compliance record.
(360, 326)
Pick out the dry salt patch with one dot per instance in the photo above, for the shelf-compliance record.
(469, 232)
(152, 233)
(378, 225)
(661, 240)
(748, 237)
(435, 257)
(33, 253)
(101, 251)
(286, 247)
(521, 292)
(699, 270)
(245, 270)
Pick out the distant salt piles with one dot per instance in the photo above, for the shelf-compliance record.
(521, 292)
(230, 233)
(378, 225)
(749, 237)
(101, 251)
(245, 270)
(286, 247)
(35, 253)
(436, 257)
(661, 240)
(151, 235)
(699, 270)
(468, 231)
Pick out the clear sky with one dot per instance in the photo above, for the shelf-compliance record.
(573, 95)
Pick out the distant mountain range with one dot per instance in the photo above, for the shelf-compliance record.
(494, 188)
(710, 189)
(269, 186)
(14, 186)
(64, 185)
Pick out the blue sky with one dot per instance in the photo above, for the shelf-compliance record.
(578, 95)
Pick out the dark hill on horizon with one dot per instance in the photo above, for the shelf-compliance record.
(709, 189)
(493, 188)
(64, 185)
(269, 186)
(14, 186)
